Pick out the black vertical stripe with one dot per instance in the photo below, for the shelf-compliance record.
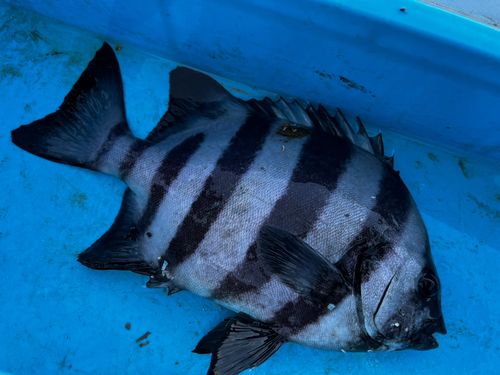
(358, 279)
(168, 171)
(219, 187)
(385, 223)
(116, 132)
(366, 245)
(322, 162)
(297, 314)
(375, 242)
(393, 203)
(249, 276)
(133, 154)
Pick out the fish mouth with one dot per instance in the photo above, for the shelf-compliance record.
(436, 326)
(422, 339)
(426, 339)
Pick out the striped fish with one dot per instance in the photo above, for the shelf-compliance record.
(283, 214)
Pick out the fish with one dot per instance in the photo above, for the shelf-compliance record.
(280, 212)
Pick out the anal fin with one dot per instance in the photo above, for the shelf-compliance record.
(118, 248)
(239, 343)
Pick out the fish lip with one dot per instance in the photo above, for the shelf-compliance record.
(431, 341)
(425, 340)
(436, 326)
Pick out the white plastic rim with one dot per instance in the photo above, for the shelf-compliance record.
(487, 11)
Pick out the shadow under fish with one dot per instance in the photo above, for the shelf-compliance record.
(281, 213)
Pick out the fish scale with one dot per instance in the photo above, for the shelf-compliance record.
(218, 189)
(134, 153)
(286, 215)
(301, 206)
(225, 235)
(197, 172)
(165, 174)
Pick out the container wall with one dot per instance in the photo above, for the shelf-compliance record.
(422, 71)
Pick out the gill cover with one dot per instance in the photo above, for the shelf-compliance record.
(402, 302)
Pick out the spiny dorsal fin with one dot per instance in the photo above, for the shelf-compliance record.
(320, 118)
(194, 94)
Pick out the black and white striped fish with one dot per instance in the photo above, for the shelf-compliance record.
(282, 214)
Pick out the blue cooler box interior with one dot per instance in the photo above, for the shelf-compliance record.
(424, 75)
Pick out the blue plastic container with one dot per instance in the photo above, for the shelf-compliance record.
(426, 77)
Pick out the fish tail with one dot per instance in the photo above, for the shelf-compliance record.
(88, 125)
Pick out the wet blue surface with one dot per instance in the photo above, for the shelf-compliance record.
(58, 317)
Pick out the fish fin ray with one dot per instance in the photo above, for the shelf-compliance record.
(239, 343)
(301, 268)
(160, 282)
(91, 112)
(172, 289)
(377, 144)
(209, 342)
(320, 118)
(266, 107)
(118, 248)
(390, 160)
(194, 93)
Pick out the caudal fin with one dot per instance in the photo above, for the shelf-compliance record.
(90, 118)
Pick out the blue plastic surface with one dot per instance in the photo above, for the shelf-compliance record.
(410, 72)
(58, 317)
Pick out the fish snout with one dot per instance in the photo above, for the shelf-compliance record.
(426, 340)
(436, 326)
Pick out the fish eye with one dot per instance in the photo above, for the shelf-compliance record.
(428, 286)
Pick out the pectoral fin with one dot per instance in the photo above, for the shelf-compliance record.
(237, 344)
(301, 268)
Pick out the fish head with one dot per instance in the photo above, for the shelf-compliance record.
(409, 313)
(401, 296)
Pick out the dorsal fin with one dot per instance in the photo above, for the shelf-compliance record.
(194, 94)
(320, 118)
(191, 94)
